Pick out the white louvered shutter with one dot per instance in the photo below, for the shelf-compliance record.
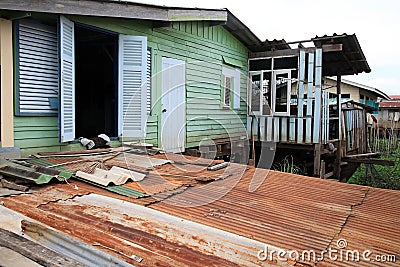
(67, 83)
(132, 86)
(148, 80)
(37, 69)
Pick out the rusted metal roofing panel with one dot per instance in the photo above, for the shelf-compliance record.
(395, 97)
(294, 212)
(113, 229)
(281, 210)
(389, 104)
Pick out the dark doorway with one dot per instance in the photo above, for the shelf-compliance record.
(95, 82)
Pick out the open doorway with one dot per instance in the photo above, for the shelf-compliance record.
(96, 61)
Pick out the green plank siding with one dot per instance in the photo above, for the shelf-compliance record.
(32, 133)
(202, 47)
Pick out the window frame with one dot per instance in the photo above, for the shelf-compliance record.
(273, 93)
(234, 94)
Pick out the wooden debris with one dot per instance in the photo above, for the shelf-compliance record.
(11, 185)
(62, 153)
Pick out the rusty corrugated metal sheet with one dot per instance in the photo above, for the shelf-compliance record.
(295, 213)
(93, 225)
(389, 104)
(283, 210)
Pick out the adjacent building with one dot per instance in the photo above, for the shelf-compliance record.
(389, 115)
(357, 92)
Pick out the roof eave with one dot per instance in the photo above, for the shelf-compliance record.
(241, 32)
(376, 91)
(118, 9)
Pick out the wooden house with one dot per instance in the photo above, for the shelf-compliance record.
(178, 78)
(389, 117)
(174, 77)
(290, 113)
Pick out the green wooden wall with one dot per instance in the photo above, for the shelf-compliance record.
(202, 47)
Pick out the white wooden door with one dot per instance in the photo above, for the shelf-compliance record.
(173, 106)
(67, 81)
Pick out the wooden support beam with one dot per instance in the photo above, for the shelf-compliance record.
(337, 165)
(310, 83)
(328, 175)
(296, 51)
(369, 155)
(318, 97)
(300, 96)
(370, 161)
(332, 47)
(322, 170)
(317, 159)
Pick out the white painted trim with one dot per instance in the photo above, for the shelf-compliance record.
(67, 54)
(235, 74)
(7, 83)
(142, 67)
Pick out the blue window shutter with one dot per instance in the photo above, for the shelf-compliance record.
(67, 80)
(132, 86)
(37, 69)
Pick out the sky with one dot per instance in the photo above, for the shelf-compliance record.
(376, 24)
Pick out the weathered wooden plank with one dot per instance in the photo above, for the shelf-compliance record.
(37, 142)
(327, 116)
(310, 81)
(269, 129)
(324, 122)
(292, 129)
(284, 129)
(370, 161)
(255, 129)
(300, 95)
(318, 88)
(276, 129)
(262, 129)
(248, 125)
(369, 155)
(35, 134)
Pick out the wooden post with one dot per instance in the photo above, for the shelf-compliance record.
(317, 159)
(7, 86)
(322, 170)
(338, 159)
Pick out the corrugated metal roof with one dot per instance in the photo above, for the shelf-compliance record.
(297, 213)
(282, 210)
(389, 104)
(351, 60)
(95, 225)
